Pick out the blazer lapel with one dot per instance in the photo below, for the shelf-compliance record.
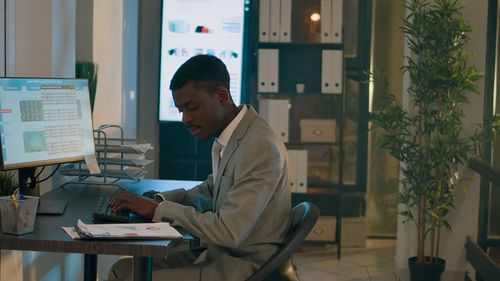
(233, 143)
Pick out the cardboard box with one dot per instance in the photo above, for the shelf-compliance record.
(353, 231)
(318, 130)
(323, 230)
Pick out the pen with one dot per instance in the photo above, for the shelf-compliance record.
(15, 201)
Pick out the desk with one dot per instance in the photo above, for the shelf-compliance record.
(49, 237)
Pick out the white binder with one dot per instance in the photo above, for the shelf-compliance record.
(275, 112)
(264, 11)
(263, 74)
(285, 20)
(326, 21)
(331, 72)
(274, 21)
(273, 70)
(292, 170)
(336, 24)
(301, 171)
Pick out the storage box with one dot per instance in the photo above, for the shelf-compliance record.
(18, 216)
(323, 230)
(318, 130)
(353, 231)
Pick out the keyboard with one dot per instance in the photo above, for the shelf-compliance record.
(103, 211)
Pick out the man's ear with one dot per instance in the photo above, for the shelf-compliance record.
(223, 95)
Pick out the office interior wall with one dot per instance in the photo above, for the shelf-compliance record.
(148, 78)
(464, 218)
(387, 56)
(40, 41)
(114, 49)
(2, 38)
(107, 53)
(84, 29)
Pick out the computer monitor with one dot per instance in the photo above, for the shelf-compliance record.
(43, 121)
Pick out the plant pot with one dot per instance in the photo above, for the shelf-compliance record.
(426, 271)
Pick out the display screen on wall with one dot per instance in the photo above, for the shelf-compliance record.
(191, 27)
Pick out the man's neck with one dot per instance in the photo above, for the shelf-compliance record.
(232, 112)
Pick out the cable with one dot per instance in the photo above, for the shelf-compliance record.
(39, 173)
(49, 176)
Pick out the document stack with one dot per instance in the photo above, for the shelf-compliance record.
(115, 158)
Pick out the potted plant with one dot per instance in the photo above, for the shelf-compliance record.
(8, 182)
(88, 70)
(428, 137)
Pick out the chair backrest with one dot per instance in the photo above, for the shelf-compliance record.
(303, 218)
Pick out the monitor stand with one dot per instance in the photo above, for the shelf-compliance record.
(27, 186)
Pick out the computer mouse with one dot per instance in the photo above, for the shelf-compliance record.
(150, 193)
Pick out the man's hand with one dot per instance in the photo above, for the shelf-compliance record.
(138, 205)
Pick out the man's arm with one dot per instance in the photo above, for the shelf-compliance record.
(198, 197)
(258, 173)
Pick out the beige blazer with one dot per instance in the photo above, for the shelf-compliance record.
(245, 214)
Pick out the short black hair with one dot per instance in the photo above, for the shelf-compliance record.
(203, 70)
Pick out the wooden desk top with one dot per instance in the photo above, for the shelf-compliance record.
(48, 235)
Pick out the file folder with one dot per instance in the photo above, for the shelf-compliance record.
(301, 171)
(326, 21)
(275, 112)
(331, 72)
(264, 12)
(292, 170)
(262, 69)
(336, 24)
(274, 21)
(285, 20)
(273, 70)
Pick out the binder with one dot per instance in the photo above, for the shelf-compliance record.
(336, 21)
(326, 21)
(337, 68)
(301, 171)
(274, 21)
(292, 174)
(275, 112)
(331, 72)
(285, 20)
(273, 70)
(263, 74)
(264, 11)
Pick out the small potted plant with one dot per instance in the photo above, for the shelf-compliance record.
(8, 182)
(428, 136)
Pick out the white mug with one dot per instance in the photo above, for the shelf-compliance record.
(299, 87)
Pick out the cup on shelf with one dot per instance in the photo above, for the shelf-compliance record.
(300, 87)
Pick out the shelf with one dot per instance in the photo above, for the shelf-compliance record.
(118, 174)
(285, 95)
(307, 45)
(312, 143)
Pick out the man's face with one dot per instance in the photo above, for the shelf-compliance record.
(201, 112)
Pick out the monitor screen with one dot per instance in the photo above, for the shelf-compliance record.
(213, 27)
(44, 121)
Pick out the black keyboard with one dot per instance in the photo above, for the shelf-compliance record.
(103, 211)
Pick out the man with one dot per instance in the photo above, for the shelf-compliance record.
(241, 210)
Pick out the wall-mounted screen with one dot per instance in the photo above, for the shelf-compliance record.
(191, 27)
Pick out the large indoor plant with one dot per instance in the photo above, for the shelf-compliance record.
(428, 136)
(88, 70)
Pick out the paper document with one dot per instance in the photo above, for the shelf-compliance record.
(91, 162)
(161, 230)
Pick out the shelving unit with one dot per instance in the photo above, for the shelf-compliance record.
(118, 158)
(324, 56)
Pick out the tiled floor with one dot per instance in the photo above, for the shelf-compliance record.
(375, 262)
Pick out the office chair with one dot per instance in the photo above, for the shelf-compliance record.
(280, 266)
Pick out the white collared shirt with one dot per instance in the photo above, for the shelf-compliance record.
(224, 137)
